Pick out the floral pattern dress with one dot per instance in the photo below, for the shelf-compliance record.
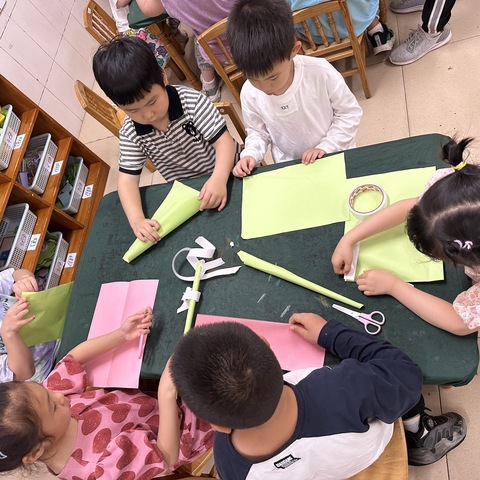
(117, 430)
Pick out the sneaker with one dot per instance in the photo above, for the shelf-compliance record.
(435, 437)
(382, 41)
(418, 44)
(214, 93)
(406, 6)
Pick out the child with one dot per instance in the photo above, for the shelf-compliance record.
(178, 128)
(120, 12)
(17, 361)
(299, 105)
(108, 434)
(327, 422)
(442, 223)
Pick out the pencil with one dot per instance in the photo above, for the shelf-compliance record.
(141, 344)
(191, 305)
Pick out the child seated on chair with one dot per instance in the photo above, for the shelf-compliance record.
(176, 127)
(102, 433)
(312, 423)
(298, 105)
(17, 361)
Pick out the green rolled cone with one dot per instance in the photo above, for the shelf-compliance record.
(284, 274)
(180, 204)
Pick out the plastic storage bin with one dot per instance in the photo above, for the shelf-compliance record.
(58, 262)
(70, 194)
(48, 150)
(8, 136)
(16, 228)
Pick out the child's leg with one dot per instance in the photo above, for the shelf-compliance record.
(210, 82)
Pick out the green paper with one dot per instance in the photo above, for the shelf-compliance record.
(179, 205)
(294, 198)
(392, 250)
(280, 272)
(191, 305)
(50, 310)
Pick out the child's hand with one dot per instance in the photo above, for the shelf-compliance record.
(28, 283)
(244, 167)
(307, 325)
(311, 155)
(146, 229)
(376, 282)
(213, 194)
(137, 324)
(342, 257)
(14, 318)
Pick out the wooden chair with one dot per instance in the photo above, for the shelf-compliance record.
(383, 11)
(108, 115)
(392, 463)
(101, 26)
(338, 49)
(228, 71)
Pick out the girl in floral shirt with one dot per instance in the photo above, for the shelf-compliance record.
(98, 434)
(443, 223)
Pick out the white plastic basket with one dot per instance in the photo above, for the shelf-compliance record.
(46, 161)
(78, 186)
(8, 136)
(58, 261)
(16, 228)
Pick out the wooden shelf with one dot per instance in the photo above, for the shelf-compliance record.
(75, 228)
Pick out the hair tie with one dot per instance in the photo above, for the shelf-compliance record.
(464, 246)
(458, 167)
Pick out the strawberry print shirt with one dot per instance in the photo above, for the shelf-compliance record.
(117, 430)
(466, 304)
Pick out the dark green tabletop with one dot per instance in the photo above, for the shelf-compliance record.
(444, 358)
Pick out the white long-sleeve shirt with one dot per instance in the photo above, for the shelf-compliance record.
(318, 110)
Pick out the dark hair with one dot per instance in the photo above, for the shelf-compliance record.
(261, 34)
(445, 223)
(126, 69)
(20, 425)
(227, 375)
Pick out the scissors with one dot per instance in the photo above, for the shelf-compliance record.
(372, 325)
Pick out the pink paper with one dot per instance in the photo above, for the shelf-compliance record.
(292, 351)
(120, 367)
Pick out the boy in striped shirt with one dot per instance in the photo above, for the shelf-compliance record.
(176, 127)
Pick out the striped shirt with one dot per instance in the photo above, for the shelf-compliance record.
(185, 149)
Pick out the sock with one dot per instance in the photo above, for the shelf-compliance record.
(412, 424)
(377, 28)
(208, 85)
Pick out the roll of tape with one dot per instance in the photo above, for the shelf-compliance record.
(366, 187)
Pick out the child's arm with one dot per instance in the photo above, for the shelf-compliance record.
(123, 3)
(25, 281)
(151, 8)
(433, 310)
(131, 329)
(19, 357)
(129, 193)
(168, 439)
(214, 191)
(387, 218)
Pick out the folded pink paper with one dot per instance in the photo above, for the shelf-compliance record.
(120, 367)
(291, 350)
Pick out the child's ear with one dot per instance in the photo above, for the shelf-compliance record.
(296, 48)
(35, 454)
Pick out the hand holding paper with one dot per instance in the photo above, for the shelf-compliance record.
(180, 204)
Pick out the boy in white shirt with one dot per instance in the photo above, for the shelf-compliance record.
(299, 105)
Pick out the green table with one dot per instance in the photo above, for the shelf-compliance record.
(444, 358)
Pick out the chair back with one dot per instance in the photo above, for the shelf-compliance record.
(339, 48)
(98, 23)
(392, 464)
(227, 69)
(227, 108)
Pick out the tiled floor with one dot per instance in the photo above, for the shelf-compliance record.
(440, 93)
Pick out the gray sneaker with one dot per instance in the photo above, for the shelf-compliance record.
(418, 44)
(214, 94)
(406, 6)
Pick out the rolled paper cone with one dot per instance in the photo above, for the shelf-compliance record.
(179, 205)
(284, 274)
(191, 305)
